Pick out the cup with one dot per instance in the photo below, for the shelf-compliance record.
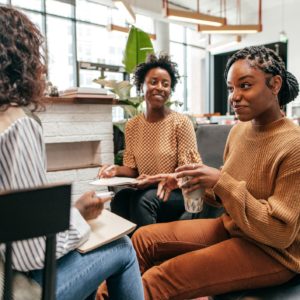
(193, 201)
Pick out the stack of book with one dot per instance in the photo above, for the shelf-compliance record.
(76, 91)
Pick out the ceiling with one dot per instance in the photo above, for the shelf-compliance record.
(248, 8)
(248, 11)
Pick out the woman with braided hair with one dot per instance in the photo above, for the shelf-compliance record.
(256, 242)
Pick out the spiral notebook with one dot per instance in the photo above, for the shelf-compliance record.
(104, 229)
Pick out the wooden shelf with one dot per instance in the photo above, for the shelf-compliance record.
(75, 167)
(81, 99)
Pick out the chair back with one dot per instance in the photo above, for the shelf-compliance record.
(211, 140)
(30, 213)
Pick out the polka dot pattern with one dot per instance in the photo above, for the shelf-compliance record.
(162, 146)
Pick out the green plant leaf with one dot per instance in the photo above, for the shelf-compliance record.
(138, 46)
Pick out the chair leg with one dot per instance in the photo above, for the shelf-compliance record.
(8, 276)
(49, 279)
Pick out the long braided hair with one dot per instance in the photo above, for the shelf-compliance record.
(269, 62)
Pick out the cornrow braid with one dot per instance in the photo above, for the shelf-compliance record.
(163, 61)
(269, 62)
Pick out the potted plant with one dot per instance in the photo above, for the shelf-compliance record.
(137, 48)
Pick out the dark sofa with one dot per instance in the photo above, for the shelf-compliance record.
(211, 141)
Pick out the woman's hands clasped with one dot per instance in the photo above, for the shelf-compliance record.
(202, 176)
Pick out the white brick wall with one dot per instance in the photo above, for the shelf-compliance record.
(63, 123)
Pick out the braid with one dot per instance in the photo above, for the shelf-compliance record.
(270, 63)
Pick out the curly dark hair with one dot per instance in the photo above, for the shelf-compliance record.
(21, 63)
(269, 62)
(163, 61)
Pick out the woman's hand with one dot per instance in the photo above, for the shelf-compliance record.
(89, 205)
(202, 176)
(166, 186)
(107, 171)
(167, 183)
(144, 181)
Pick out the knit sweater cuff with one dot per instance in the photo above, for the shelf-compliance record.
(224, 187)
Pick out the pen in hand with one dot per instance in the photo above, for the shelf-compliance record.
(107, 171)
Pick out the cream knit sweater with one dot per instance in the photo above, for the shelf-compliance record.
(260, 188)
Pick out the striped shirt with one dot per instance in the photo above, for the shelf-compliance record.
(23, 165)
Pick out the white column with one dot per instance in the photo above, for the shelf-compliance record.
(162, 37)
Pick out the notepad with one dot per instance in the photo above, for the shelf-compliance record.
(114, 181)
(104, 229)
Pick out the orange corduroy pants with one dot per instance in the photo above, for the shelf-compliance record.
(188, 259)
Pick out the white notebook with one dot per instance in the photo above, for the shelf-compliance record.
(104, 229)
(113, 181)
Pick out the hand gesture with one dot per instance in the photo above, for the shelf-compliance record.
(167, 183)
(144, 181)
(202, 176)
(107, 171)
(89, 205)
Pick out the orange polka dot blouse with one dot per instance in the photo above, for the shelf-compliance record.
(160, 147)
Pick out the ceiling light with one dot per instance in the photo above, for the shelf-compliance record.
(231, 29)
(225, 44)
(238, 28)
(194, 17)
(126, 9)
(111, 27)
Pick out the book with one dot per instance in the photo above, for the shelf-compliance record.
(84, 90)
(114, 181)
(106, 228)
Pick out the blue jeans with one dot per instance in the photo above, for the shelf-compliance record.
(79, 275)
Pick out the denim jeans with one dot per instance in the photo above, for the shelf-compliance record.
(79, 275)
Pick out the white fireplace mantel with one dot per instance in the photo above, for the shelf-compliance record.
(78, 133)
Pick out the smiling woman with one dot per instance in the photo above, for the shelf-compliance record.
(157, 142)
(248, 95)
(256, 242)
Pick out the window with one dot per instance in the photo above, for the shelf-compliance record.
(117, 18)
(96, 44)
(29, 4)
(59, 8)
(92, 12)
(36, 18)
(61, 58)
(186, 49)
(177, 55)
(144, 23)
(79, 33)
